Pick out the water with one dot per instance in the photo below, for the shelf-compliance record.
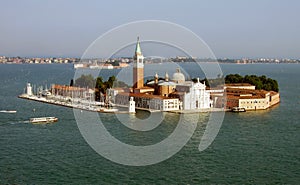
(251, 148)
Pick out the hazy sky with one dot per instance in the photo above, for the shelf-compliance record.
(231, 28)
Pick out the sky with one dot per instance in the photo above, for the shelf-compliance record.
(231, 28)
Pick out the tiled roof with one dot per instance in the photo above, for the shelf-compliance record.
(151, 96)
(239, 84)
(245, 93)
(68, 88)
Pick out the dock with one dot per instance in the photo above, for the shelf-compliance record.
(138, 108)
(92, 108)
(99, 109)
(193, 111)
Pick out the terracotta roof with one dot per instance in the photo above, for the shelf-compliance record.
(68, 88)
(151, 96)
(239, 84)
(145, 87)
(273, 93)
(246, 93)
(231, 96)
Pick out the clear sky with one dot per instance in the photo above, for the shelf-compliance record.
(232, 28)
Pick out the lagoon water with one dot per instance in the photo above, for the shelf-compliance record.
(260, 147)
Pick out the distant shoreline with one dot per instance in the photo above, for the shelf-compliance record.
(10, 63)
(122, 61)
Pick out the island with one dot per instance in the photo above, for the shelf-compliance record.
(168, 94)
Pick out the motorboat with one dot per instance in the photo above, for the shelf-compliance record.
(41, 120)
(8, 111)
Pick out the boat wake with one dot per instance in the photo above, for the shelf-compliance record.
(18, 122)
(14, 123)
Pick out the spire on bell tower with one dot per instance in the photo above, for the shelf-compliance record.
(138, 50)
(138, 66)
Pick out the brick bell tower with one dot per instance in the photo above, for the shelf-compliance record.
(138, 67)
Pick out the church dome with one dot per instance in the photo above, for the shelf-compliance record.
(178, 77)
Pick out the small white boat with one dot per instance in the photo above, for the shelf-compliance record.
(108, 110)
(238, 109)
(43, 120)
(8, 111)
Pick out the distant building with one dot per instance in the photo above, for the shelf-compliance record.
(240, 86)
(148, 101)
(72, 92)
(250, 99)
(123, 64)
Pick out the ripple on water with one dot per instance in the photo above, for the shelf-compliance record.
(251, 148)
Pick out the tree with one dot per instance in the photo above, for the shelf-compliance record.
(202, 81)
(233, 78)
(110, 81)
(85, 81)
(72, 82)
(260, 82)
(100, 85)
(206, 82)
(99, 82)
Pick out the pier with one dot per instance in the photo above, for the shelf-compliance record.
(93, 106)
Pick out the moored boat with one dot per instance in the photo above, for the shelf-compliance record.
(238, 109)
(108, 110)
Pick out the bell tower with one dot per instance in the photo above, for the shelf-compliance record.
(138, 66)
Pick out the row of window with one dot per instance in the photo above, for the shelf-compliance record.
(256, 107)
(171, 104)
(252, 102)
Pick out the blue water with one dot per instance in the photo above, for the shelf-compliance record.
(259, 147)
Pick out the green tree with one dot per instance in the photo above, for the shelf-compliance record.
(260, 82)
(72, 82)
(110, 81)
(233, 78)
(100, 85)
(85, 81)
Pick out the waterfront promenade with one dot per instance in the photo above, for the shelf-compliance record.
(71, 103)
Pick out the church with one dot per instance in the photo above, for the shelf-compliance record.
(168, 94)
